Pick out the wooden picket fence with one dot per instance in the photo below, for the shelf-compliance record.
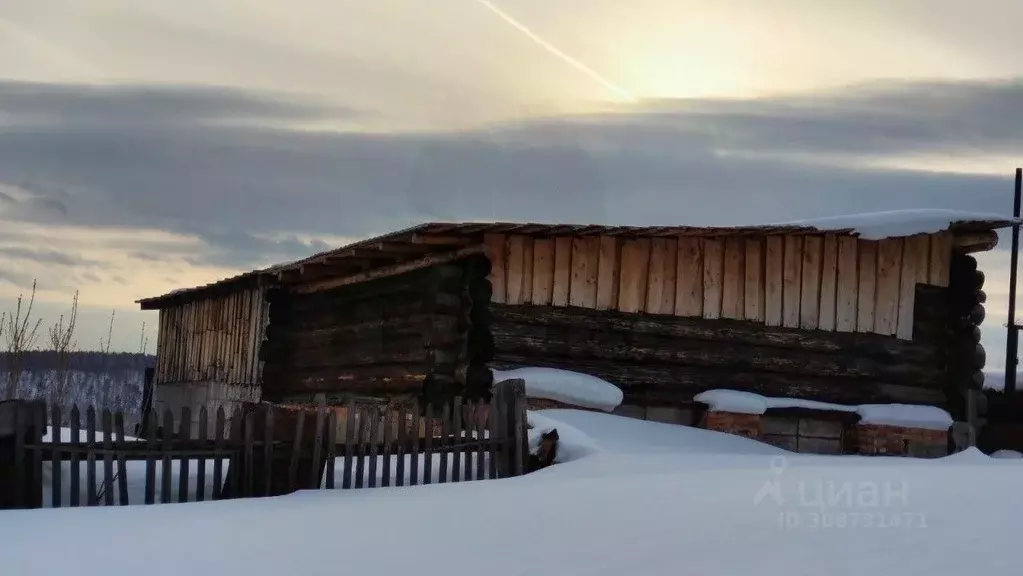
(262, 450)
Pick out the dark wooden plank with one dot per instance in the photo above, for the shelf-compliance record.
(360, 455)
(56, 459)
(351, 443)
(107, 491)
(374, 438)
(39, 424)
(122, 463)
(428, 445)
(200, 473)
(268, 450)
(75, 482)
(444, 443)
(388, 448)
(519, 435)
(316, 474)
(331, 448)
(166, 465)
(479, 426)
(20, 430)
(494, 435)
(413, 472)
(400, 452)
(90, 458)
(296, 451)
(248, 437)
(235, 465)
(185, 434)
(456, 438)
(151, 426)
(218, 462)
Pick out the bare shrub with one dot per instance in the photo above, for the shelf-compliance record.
(63, 345)
(21, 334)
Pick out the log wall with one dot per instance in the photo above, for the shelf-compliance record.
(813, 282)
(386, 339)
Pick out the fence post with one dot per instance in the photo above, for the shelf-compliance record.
(511, 401)
(21, 480)
(276, 475)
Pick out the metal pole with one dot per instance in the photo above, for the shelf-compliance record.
(1012, 334)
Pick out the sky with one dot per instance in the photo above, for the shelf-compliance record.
(147, 146)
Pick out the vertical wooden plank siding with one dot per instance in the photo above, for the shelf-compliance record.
(543, 271)
(527, 270)
(496, 247)
(585, 259)
(847, 286)
(516, 269)
(810, 290)
(635, 269)
(562, 270)
(753, 291)
(866, 296)
(916, 251)
(655, 276)
(689, 278)
(713, 275)
(889, 274)
(829, 276)
(940, 259)
(792, 281)
(670, 262)
(733, 283)
(774, 279)
(608, 273)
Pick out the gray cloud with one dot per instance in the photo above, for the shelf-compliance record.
(42, 255)
(667, 162)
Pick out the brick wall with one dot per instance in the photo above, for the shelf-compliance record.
(877, 439)
(747, 425)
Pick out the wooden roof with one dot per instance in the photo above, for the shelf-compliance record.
(406, 246)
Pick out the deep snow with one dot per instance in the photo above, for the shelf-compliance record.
(640, 498)
(566, 386)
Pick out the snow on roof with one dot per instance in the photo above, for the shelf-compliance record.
(894, 223)
(573, 388)
(908, 415)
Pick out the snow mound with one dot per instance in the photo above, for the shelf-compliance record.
(1006, 454)
(895, 223)
(908, 415)
(574, 388)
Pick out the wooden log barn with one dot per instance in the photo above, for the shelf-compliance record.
(795, 311)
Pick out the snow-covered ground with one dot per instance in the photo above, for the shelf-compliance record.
(630, 497)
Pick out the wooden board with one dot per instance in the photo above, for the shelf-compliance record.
(941, 257)
(829, 277)
(496, 246)
(634, 271)
(713, 276)
(889, 274)
(543, 271)
(585, 257)
(655, 278)
(810, 290)
(866, 291)
(516, 269)
(916, 252)
(733, 284)
(670, 262)
(527, 270)
(848, 288)
(774, 271)
(689, 277)
(562, 270)
(753, 290)
(608, 272)
(792, 281)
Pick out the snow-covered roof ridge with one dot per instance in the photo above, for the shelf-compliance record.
(895, 223)
(907, 415)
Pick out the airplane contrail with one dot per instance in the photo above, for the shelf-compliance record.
(623, 93)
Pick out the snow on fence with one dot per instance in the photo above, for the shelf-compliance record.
(309, 447)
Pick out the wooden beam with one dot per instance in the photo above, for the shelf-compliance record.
(438, 240)
(975, 242)
(393, 270)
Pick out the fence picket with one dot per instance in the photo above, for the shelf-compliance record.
(248, 434)
(108, 459)
(20, 425)
(234, 464)
(167, 431)
(350, 443)
(184, 434)
(39, 427)
(479, 426)
(75, 481)
(456, 451)
(331, 447)
(119, 428)
(388, 448)
(428, 445)
(90, 456)
(200, 476)
(493, 427)
(374, 439)
(268, 450)
(56, 458)
(399, 451)
(445, 442)
(413, 471)
(151, 425)
(296, 450)
(315, 477)
(360, 463)
(218, 461)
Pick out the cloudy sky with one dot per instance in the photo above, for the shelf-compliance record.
(146, 146)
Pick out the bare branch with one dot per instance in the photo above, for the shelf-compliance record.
(62, 344)
(22, 334)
